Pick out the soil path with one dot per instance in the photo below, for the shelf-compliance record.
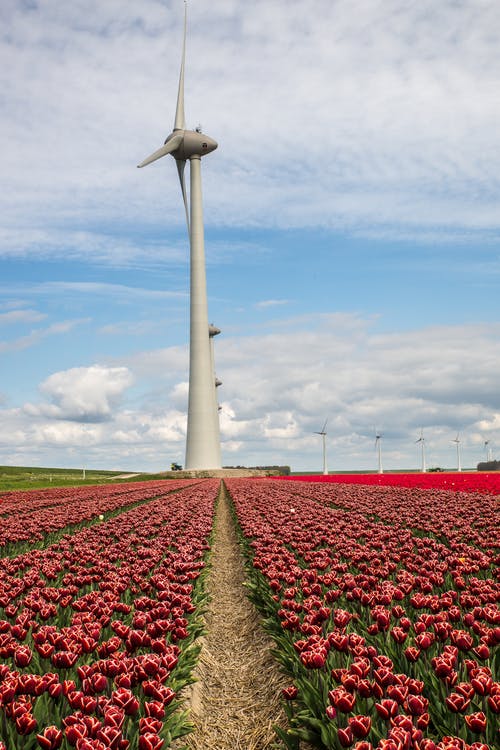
(236, 700)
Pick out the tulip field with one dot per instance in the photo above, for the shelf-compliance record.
(484, 482)
(99, 612)
(382, 602)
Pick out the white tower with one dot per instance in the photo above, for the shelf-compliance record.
(323, 434)
(489, 452)
(421, 440)
(459, 455)
(378, 446)
(203, 435)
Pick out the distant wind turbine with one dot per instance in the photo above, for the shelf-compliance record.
(459, 456)
(323, 434)
(421, 440)
(378, 446)
(203, 432)
(489, 454)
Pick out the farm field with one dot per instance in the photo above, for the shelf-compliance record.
(381, 602)
(488, 482)
(34, 477)
(384, 605)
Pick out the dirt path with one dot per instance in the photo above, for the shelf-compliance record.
(236, 700)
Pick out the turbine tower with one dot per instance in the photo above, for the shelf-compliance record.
(459, 456)
(203, 432)
(378, 446)
(323, 433)
(421, 440)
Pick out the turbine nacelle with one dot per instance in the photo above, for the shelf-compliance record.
(194, 143)
(183, 145)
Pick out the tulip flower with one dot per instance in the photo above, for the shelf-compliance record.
(481, 682)
(50, 739)
(22, 656)
(387, 708)
(476, 722)
(345, 736)
(343, 701)
(457, 703)
(417, 705)
(25, 723)
(150, 741)
(360, 725)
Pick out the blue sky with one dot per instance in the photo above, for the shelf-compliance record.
(352, 223)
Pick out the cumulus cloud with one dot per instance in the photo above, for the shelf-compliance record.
(82, 394)
(278, 389)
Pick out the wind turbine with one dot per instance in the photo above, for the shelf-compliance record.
(421, 440)
(489, 454)
(203, 432)
(378, 446)
(323, 434)
(459, 457)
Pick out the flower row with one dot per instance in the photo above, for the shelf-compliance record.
(31, 516)
(391, 637)
(98, 630)
(482, 482)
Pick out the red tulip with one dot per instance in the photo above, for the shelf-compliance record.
(494, 703)
(155, 709)
(25, 723)
(51, 738)
(481, 682)
(387, 708)
(426, 744)
(114, 717)
(462, 639)
(22, 656)
(457, 702)
(345, 736)
(476, 722)
(125, 700)
(150, 741)
(344, 701)
(360, 725)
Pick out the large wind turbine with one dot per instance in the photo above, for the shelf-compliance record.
(203, 434)
(322, 432)
(421, 440)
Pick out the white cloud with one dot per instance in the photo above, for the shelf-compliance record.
(82, 394)
(39, 334)
(278, 389)
(21, 316)
(271, 303)
(94, 289)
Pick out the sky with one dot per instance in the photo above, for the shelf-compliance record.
(351, 225)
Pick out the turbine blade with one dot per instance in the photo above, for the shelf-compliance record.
(171, 145)
(180, 119)
(181, 163)
(324, 426)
